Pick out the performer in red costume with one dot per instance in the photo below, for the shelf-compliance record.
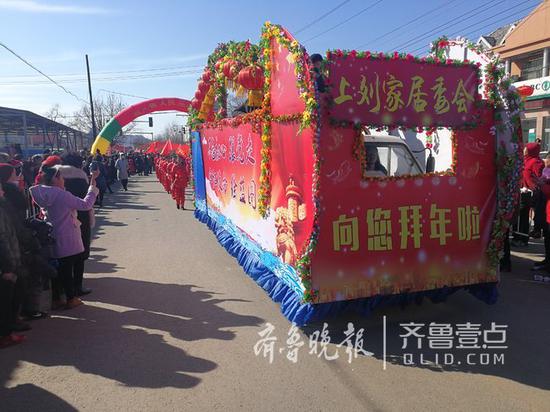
(181, 179)
(170, 175)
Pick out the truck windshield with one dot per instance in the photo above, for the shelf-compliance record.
(387, 159)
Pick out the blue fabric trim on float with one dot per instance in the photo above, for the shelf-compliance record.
(261, 269)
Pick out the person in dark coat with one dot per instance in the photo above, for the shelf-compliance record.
(317, 63)
(15, 206)
(76, 182)
(139, 164)
(101, 181)
(10, 265)
(34, 267)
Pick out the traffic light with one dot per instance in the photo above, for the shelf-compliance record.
(150, 122)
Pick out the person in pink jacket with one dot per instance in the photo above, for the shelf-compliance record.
(60, 209)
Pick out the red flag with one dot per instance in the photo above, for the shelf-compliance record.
(183, 150)
(152, 148)
(167, 149)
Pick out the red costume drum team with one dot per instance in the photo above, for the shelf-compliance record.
(173, 174)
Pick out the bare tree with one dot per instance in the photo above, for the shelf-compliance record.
(55, 114)
(172, 131)
(104, 110)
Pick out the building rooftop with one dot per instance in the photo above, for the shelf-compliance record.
(497, 37)
(11, 121)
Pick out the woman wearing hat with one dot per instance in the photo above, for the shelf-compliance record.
(60, 209)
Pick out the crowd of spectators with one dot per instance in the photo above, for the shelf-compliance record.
(532, 217)
(46, 221)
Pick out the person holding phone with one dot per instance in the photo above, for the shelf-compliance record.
(60, 208)
(77, 182)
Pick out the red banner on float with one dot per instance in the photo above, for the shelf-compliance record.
(401, 92)
(232, 164)
(401, 235)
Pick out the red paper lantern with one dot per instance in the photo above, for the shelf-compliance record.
(199, 95)
(196, 104)
(234, 71)
(203, 87)
(251, 78)
(525, 91)
(206, 76)
(218, 65)
(227, 67)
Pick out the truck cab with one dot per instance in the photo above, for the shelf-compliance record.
(390, 156)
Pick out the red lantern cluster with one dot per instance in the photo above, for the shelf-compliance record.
(251, 78)
(202, 90)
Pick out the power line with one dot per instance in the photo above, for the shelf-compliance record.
(485, 20)
(123, 94)
(506, 18)
(318, 19)
(405, 25)
(108, 72)
(345, 21)
(106, 79)
(42, 73)
(453, 20)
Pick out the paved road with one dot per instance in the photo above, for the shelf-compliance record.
(173, 321)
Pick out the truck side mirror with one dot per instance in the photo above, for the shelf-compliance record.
(430, 163)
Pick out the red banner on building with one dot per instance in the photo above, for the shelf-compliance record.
(402, 92)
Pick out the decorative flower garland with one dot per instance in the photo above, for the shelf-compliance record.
(438, 46)
(509, 163)
(359, 151)
(304, 263)
(500, 95)
(264, 190)
(254, 118)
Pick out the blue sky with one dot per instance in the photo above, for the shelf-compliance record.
(171, 40)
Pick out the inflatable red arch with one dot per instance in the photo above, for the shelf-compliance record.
(115, 125)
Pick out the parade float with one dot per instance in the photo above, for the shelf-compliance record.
(318, 193)
(370, 179)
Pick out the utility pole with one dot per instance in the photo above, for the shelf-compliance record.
(94, 129)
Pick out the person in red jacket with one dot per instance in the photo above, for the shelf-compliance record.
(181, 179)
(545, 194)
(532, 166)
(532, 171)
